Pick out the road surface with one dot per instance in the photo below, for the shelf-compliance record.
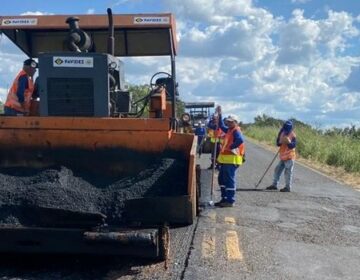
(311, 233)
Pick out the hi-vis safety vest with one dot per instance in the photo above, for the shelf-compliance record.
(284, 152)
(12, 100)
(227, 156)
(213, 134)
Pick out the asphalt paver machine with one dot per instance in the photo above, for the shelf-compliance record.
(84, 121)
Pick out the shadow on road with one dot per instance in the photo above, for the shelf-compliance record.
(250, 190)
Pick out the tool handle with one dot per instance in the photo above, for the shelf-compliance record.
(267, 170)
(213, 170)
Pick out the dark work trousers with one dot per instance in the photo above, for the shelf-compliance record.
(227, 183)
(200, 143)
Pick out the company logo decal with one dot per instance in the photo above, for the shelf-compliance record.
(151, 20)
(71, 61)
(19, 21)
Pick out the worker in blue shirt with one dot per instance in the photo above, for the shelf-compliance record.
(21, 92)
(231, 156)
(286, 141)
(200, 132)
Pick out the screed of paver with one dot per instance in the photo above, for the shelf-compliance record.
(232, 246)
(230, 220)
(208, 244)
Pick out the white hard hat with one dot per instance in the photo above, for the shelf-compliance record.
(231, 118)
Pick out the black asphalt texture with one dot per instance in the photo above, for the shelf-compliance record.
(62, 188)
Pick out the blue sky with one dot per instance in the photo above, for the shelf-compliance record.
(285, 58)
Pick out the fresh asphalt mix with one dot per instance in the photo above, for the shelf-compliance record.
(313, 232)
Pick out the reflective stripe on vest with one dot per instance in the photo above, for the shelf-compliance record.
(227, 156)
(12, 100)
(284, 152)
(213, 134)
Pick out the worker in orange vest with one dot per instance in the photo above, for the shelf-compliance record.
(216, 137)
(286, 141)
(19, 97)
(230, 158)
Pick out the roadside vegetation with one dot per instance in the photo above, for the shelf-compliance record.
(335, 147)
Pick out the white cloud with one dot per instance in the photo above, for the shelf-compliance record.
(90, 11)
(36, 13)
(300, 1)
(3, 94)
(303, 40)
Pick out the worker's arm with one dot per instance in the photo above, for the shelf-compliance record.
(222, 126)
(238, 139)
(278, 140)
(292, 144)
(22, 86)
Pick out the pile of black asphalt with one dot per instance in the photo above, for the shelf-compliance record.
(60, 187)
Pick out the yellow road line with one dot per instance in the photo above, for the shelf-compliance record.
(230, 220)
(208, 244)
(232, 246)
(212, 215)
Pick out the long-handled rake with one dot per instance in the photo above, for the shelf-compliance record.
(267, 169)
(211, 202)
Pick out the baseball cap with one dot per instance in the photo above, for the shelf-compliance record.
(30, 62)
(231, 118)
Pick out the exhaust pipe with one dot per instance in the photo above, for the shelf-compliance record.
(111, 38)
(77, 40)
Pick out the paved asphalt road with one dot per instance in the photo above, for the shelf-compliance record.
(311, 233)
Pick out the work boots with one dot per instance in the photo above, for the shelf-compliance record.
(224, 203)
(271, 188)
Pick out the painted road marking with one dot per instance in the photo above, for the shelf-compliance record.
(212, 215)
(230, 220)
(232, 246)
(208, 244)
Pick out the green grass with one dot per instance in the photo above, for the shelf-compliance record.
(337, 150)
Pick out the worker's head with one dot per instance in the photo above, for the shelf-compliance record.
(231, 121)
(30, 66)
(288, 127)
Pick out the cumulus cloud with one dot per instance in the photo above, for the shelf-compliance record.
(90, 11)
(353, 81)
(300, 1)
(286, 68)
(36, 13)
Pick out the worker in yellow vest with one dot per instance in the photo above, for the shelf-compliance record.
(231, 156)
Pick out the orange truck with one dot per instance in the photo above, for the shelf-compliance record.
(84, 120)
